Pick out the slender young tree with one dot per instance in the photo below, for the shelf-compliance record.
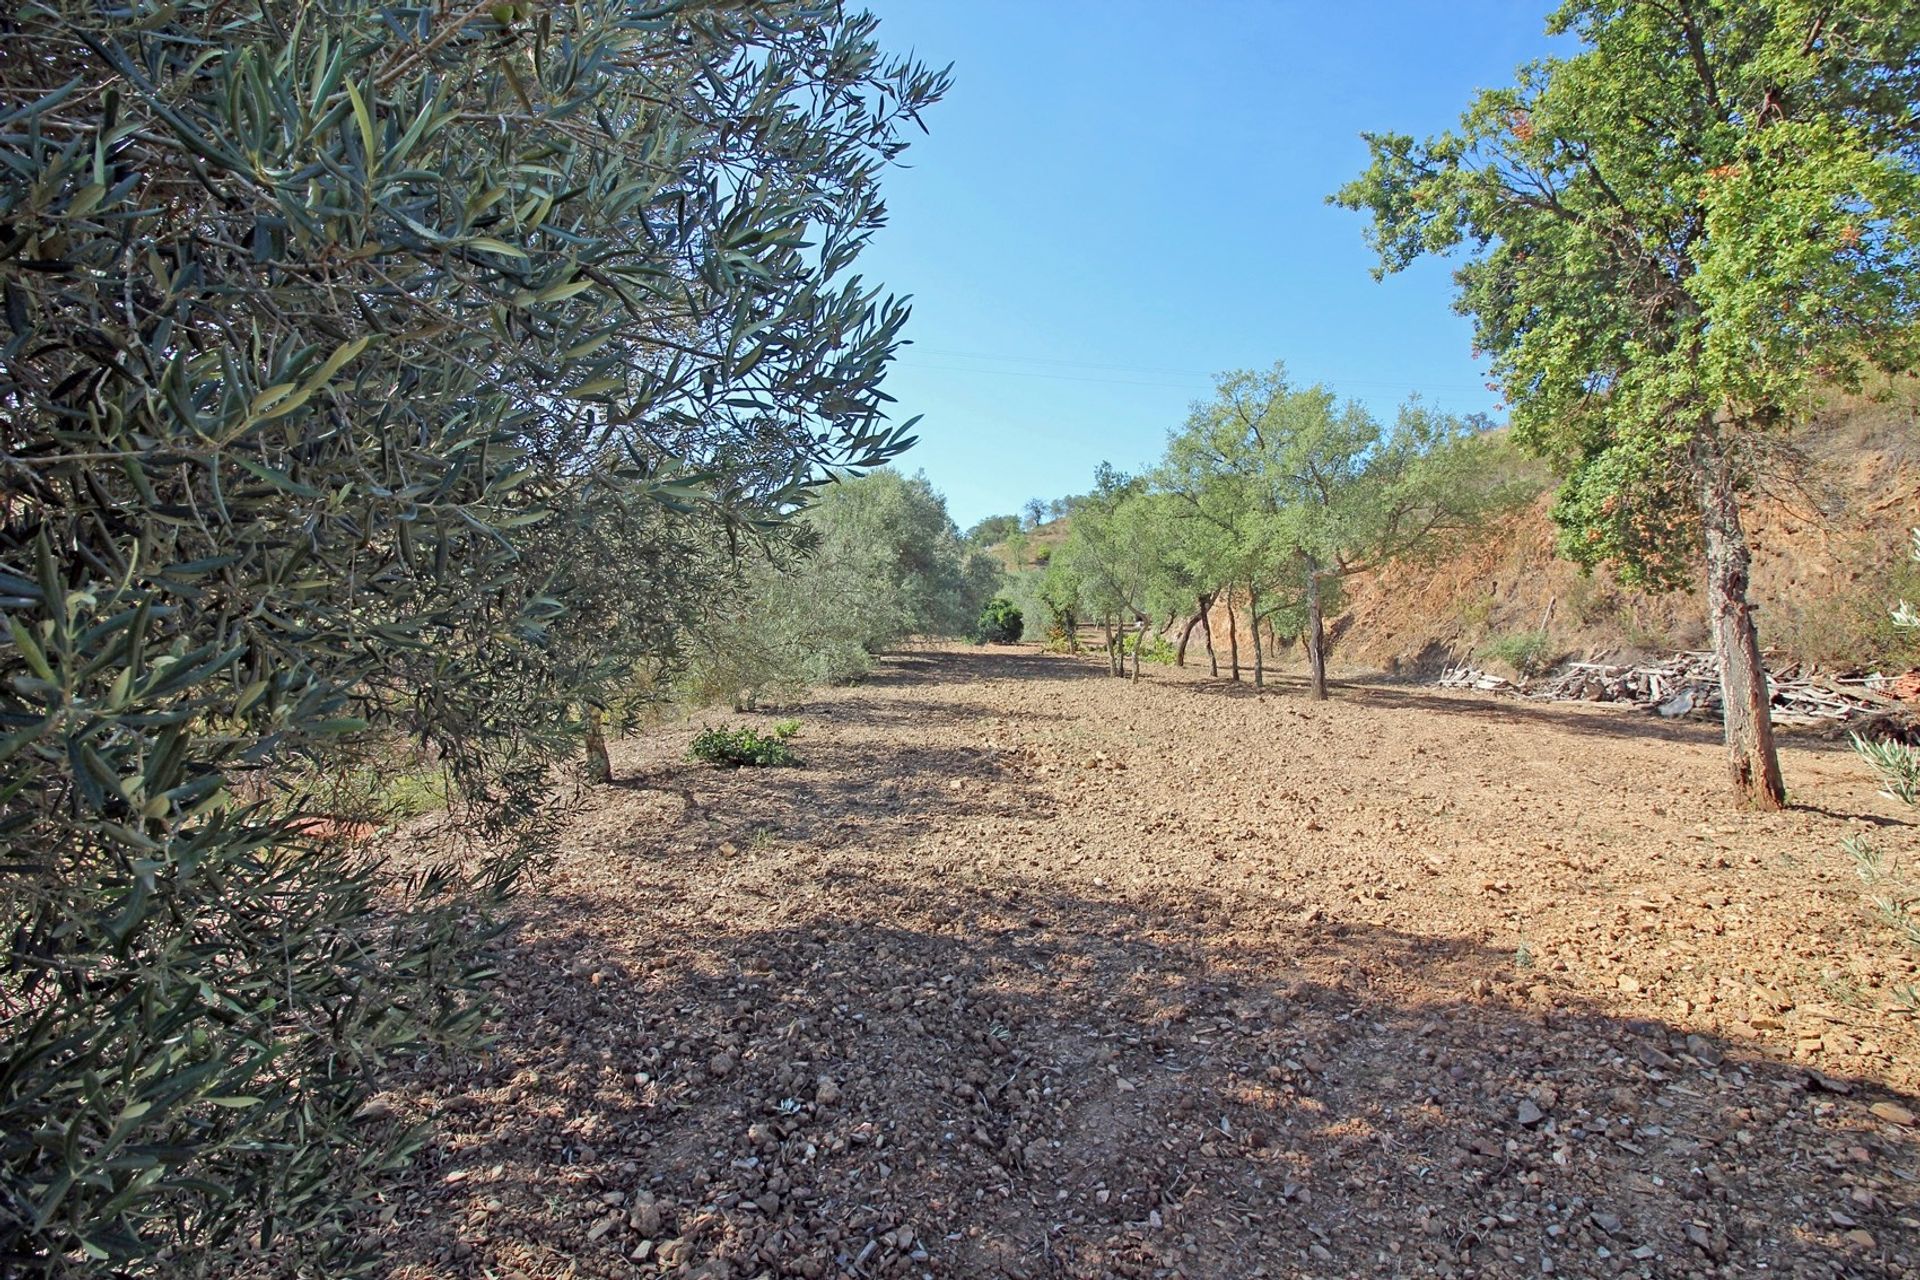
(1307, 492)
(1673, 238)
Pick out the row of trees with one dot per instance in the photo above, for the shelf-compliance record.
(1267, 500)
(371, 374)
(1673, 240)
(874, 560)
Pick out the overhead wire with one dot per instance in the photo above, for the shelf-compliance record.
(907, 360)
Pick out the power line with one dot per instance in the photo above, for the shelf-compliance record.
(1336, 383)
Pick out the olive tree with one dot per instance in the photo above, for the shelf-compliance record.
(873, 561)
(1673, 238)
(1303, 492)
(350, 351)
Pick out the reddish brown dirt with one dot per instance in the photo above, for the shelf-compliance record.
(1032, 972)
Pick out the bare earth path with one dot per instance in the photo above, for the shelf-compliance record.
(1032, 972)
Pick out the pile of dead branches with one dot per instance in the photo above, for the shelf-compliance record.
(1689, 684)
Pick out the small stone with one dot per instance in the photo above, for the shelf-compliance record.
(1628, 984)
(1859, 1236)
(826, 1091)
(1529, 1113)
(720, 1066)
(1704, 1050)
(1892, 1113)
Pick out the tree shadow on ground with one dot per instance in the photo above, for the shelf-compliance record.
(846, 792)
(1587, 718)
(891, 1077)
(987, 662)
(880, 711)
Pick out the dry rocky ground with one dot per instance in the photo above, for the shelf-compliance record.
(1031, 972)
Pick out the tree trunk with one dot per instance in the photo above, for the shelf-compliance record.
(598, 767)
(1744, 698)
(1186, 634)
(1233, 637)
(1316, 636)
(1259, 655)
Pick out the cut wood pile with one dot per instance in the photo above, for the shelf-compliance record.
(1689, 683)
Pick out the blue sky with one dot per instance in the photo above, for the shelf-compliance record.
(1118, 200)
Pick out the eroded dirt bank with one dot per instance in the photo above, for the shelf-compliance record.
(1032, 972)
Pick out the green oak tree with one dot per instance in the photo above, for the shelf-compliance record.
(1674, 237)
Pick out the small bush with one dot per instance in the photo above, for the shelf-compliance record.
(1158, 650)
(1527, 652)
(1000, 622)
(734, 748)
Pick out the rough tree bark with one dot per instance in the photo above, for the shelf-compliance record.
(598, 766)
(1751, 756)
(1186, 634)
(1259, 655)
(1233, 637)
(1315, 635)
(1200, 609)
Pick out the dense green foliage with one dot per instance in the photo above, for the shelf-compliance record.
(1673, 237)
(1288, 493)
(1896, 898)
(369, 373)
(1526, 652)
(742, 747)
(1270, 496)
(875, 560)
(994, 529)
(1000, 622)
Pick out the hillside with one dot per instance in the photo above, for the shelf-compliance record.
(1829, 532)
(1828, 529)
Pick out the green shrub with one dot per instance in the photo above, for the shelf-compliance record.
(1527, 652)
(1000, 622)
(735, 748)
(1158, 649)
(1896, 897)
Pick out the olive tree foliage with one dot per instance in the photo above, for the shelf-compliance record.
(994, 529)
(1119, 555)
(366, 369)
(1673, 238)
(1897, 765)
(873, 561)
(1290, 493)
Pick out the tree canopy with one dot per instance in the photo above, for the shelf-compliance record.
(1291, 492)
(1672, 239)
(367, 371)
